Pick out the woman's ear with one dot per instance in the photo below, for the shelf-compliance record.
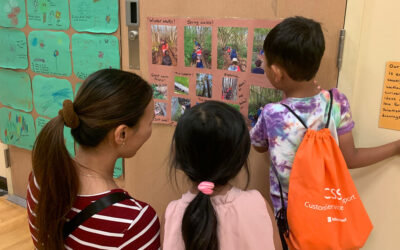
(120, 134)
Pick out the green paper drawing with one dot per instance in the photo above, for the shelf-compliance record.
(94, 52)
(77, 87)
(97, 16)
(13, 49)
(118, 168)
(48, 14)
(15, 90)
(69, 140)
(49, 94)
(49, 53)
(12, 13)
(17, 128)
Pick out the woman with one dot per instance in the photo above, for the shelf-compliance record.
(110, 118)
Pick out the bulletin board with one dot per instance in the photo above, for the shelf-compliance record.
(47, 49)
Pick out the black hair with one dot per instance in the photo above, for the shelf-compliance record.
(211, 143)
(258, 63)
(297, 44)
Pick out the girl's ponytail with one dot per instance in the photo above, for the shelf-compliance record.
(199, 224)
(58, 181)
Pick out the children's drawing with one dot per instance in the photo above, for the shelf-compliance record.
(118, 168)
(181, 85)
(49, 53)
(229, 88)
(160, 109)
(232, 49)
(198, 46)
(178, 107)
(94, 52)
(49, 94)
(13, 49)
(94, 16)
(77, 87)
(164, 45)
(17, 128)
(12, 13)
(15, 90)
(48, 14)
(258, 57)
(259, 97)
(204, 85)
(69, 140)
(160, 91)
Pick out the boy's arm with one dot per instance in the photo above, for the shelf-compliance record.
(362, 157)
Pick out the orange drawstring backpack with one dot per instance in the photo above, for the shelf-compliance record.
(324, 210)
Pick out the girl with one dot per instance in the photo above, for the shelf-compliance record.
(210, 145)
(110, 118)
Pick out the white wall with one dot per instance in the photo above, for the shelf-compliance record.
(372, 39)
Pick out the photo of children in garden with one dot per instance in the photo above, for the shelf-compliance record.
(159, 91)
(197, 46)
(160, 109)
(204, 85)
(179, 107)
(181, 85)
(259, 97)
(258, 64)
(164, 45)
(232, 49)
(229, 88)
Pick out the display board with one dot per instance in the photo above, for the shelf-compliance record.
(193, 60)
(47, 48)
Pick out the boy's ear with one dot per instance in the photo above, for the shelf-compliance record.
(278, 73)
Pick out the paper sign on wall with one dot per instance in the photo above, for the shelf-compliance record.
(13, 49)
(48, 14)
(16, 90)
(390, 105)
(12, 13)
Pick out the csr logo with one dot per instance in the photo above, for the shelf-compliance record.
(333, 194)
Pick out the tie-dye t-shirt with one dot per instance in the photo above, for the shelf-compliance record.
(282, 132)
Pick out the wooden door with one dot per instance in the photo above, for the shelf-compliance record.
(146, 174)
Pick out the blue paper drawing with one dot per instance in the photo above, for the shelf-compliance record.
(12, 13)
(15, 90)
(17, 128)
(13, 49)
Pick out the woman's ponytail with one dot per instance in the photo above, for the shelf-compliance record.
(199, 224)
(58, 181)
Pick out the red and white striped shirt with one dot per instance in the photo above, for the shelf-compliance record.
(130, 224)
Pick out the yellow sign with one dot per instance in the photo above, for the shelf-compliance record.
(390, 106)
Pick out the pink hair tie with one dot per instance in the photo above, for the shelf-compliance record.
(206, 187)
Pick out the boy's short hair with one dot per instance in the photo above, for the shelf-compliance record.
(258, 63)
(297, 44)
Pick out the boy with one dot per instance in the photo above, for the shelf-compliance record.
(293, 51)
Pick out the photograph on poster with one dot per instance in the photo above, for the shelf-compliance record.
(160, 91)
(259, 97)
(181, 85)
(160, 109)
(258, 61)
(164, 45)
(204, 85)
(232, 48)
(198, 46)
(178, 107)
(229, 88)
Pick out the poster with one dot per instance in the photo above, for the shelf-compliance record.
(69, 140)
(193, 60)
(48, 14)
(49, 94)
(97, 16)
(94, 52)
(17, 128)
(12, 13)
(13, 49)
(390, 105)
(49, 53)
(16, 90)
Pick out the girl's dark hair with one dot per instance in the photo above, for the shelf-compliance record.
(297, 44)
(108, 98)
(211, 143)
